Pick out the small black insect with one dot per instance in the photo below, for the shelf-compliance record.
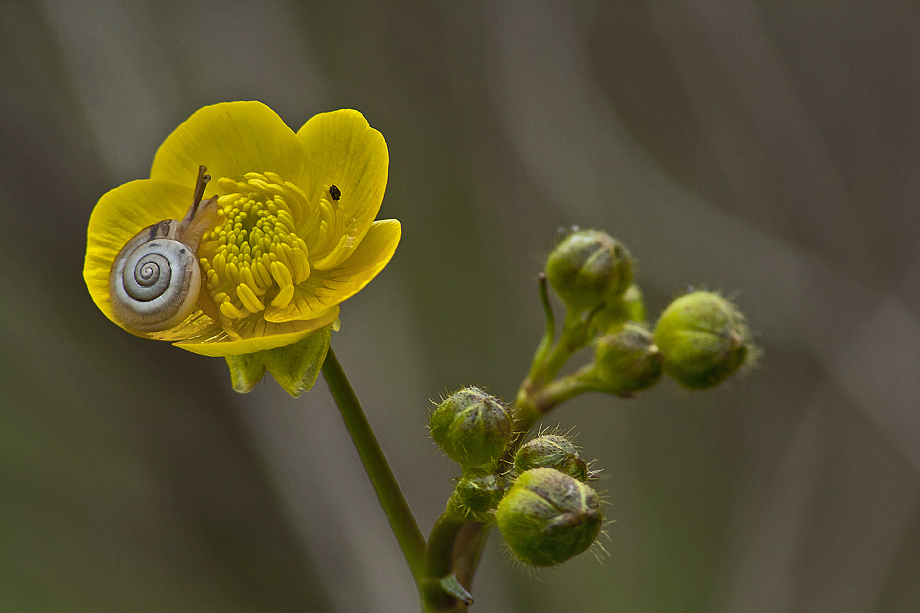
(335, 192)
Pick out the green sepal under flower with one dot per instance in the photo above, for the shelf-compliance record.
(246, 370)
(547, 517)
(295, 367)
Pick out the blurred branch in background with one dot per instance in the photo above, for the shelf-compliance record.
(763, 147)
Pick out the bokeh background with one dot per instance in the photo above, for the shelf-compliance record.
(765, 149)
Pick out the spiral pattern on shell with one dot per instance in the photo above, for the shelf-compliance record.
(154, 284)
(152, 272)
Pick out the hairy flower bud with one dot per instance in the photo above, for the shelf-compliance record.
(473, 428)
(588, 268)
(547, 517)
(616, 312)
(551, 451)
(475, 497)
(704, 339)
(627, 361)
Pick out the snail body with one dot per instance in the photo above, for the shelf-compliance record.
(155, 280)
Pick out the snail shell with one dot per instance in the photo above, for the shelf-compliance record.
(156, 279)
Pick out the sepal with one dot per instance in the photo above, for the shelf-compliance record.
(246, 371)
(295, 367)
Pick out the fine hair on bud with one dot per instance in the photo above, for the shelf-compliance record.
(473, 429)
(704, 338)
(547, 517)
(551, 451)
(589, 268)
(475, 497)
(626, 362)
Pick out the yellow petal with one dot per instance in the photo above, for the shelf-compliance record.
(330, 287)
(343, 150)
(119, 215)
(274, 335)
(231, 139)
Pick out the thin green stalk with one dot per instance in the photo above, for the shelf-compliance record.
(549, 333)
(378, 470)
(558, 392)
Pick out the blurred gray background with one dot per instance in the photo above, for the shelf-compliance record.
(765, 149)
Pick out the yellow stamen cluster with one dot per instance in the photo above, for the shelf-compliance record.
(256, 257)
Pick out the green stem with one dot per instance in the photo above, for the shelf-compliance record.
(378, 470)
(558, 392)
(549, 333)
(439, 563)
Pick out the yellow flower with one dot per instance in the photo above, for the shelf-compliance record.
(288, 235)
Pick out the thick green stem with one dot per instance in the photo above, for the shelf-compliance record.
(439, 564)
(378, 469)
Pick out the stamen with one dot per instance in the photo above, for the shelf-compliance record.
(249, 299)
(259, 254)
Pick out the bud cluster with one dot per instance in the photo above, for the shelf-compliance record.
(700, 340)
(538, 492)
(543, 506)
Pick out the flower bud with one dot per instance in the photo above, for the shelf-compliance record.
(628, 307)
(627, 361)
(587, 268)
(475, 497)
(704, 339)
(551, 451)
(472, 428)
(547, 517)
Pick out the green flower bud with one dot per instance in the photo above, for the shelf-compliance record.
(475, 497)
(473, 429)
(627, 361)
(628, 307)
(704, 339)
(587, 268)
(551, 451)
(547, 517)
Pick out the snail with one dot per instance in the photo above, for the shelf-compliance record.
(156, 278)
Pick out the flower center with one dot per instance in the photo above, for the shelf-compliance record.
(256, 256)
